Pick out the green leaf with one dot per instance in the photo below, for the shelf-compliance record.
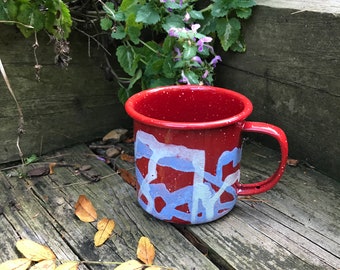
(168, 67)
(106, 23)
(65, 19)
(134, 33)
(8, 10)
(196, 15)
(242, 3)
(208, 26)
(238, 46)
(127, 4)
(189, 51)
(118, 32)
(25, 16)
(220, 9)
(243, 13)
(147, 14)
(133, 28)
(192, 77)
(180, 64)
(152, 83)
(135, 78)
(123, 94)
(173, 5)
(168, 45)
(109, 8)
(173, 21)
(31, 159)
(154, 66)
(228, 32)
(127, 59)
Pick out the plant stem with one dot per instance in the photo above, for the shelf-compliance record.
(21, 115)
(150, 48)
(15, 22)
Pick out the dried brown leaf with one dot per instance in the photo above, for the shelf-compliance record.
(115, 135)
(145, 250)
(130, 265)
(292, 162)
(105, 228)
(51, 167)
(44, 265)
(39, 171)
(85, 210)
(127, 157)
(68, 266)
(128, 177)
(17, 264)
(34, 251)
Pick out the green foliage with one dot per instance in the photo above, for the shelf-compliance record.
(51, 15)
(183, 30)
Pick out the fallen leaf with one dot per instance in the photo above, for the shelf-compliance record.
(68, 266)
(129, 140)
(127, 157)
(115, 135)
(105, 228)
(31, 159)
(129, 265)
(85, 210)
(127, 177)
(34, 251)
(17, 264)
(145, 250)
(51, 167)
(39, 171)
(44, 265)
(292, 162)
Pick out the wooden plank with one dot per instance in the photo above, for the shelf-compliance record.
(24, 217)
(326, 6)
(66, 107)
(290, 72)
(293, 226)
(50, 200)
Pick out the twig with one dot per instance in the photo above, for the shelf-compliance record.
(94, 39)
(21, 115)
(15, 22)
(37, 66)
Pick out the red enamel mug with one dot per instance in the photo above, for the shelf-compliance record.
(188, 151)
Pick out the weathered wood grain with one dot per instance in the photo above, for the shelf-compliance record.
(47, 215)
(290, 72)
(326, 6)
(293, 226)
(66, 107)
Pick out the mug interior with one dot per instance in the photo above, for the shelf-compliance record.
(188, 105)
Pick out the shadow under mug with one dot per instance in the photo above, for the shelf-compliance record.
(188, 151)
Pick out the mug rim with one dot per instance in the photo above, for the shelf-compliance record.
(138, 97)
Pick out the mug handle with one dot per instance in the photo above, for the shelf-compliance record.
(280, 136)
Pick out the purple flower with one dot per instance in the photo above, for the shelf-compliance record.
(201, 41)
(195, 27)
(215, 60)
(197, 59)
(186, 17)
(178, 54)
(173, 32)
(184, 78)
(205, 75)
